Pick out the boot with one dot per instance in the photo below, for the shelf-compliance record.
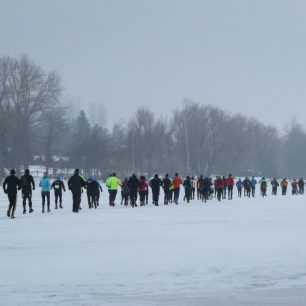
(55, 206)
(8, 213)
(31, 210)
(61, 206)
(49, 209)
(24, 210)
(43, 209)
(13, 217)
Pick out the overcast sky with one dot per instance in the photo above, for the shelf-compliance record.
(241, 55)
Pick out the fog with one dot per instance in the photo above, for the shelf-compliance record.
(242, 56)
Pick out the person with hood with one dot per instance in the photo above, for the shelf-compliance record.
(155, 185)
(187, 184)
(45, 186)
(176, 182)
(58, 186)
(166, 185)
(294, 185)
(113, 183)
(27, 185)
(125, 192)
(275, 185)
(284, 185)
(92, 187)
(133, 184)
(263, 187)
(230, 185)
(253, 186)
(142, 188)
(301, 185)
(75, 184)
(239, 186)
(10, 186)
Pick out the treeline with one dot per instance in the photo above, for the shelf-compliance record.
(36, 127)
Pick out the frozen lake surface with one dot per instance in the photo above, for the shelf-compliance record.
(239, 252)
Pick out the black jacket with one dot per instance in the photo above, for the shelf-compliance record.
(58, 186)
(27, 182)
(166, 183)
(155, 183)
(11, 184)
(93, 187)
(75, 183)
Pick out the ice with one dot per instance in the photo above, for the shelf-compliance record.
(239, 252)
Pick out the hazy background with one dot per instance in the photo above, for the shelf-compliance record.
(243, 56)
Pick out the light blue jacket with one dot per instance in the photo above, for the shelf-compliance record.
(45, 184)
(253, 182)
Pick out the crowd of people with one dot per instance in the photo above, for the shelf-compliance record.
(133, 189)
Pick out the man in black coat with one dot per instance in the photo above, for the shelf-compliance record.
(10, 186)
(166, 184)
(27, 185)
(155, 184)
(133, 184)
(75, 184)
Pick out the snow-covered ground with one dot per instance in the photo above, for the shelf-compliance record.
(240, 252)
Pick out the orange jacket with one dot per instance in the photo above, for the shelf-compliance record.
(176, 182)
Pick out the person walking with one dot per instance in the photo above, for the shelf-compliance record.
(155, 185)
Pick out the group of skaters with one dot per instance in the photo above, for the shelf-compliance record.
(76, 183)
(133, 188)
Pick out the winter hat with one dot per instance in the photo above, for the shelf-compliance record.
(13, 172)
(77, 171)
(58, 177)
(27, 171)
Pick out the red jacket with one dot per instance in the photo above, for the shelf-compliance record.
(143, 185)
(219, 184)
(230, 181)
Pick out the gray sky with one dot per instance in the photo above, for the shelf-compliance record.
(241, 55)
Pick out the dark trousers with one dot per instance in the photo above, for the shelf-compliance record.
(12, 203)
(92, 200)
(239, 191)
(45, 195)
(112, 197)
(167, 195)
(188, 194)
(205, 194)
(155, 194)
(274, 190)
(58, 198)
(253, 191)
(230, 192)
(27, 195)
(142, 197)
(76, 196)
(219, 193)
(176, 192)
(125, 198)
(133, 196)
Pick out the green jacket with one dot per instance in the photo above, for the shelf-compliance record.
(113, 183)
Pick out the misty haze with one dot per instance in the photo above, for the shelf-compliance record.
(175, 132)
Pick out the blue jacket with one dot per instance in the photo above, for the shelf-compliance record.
(253, 182)
(45, 184)
(239, 184)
